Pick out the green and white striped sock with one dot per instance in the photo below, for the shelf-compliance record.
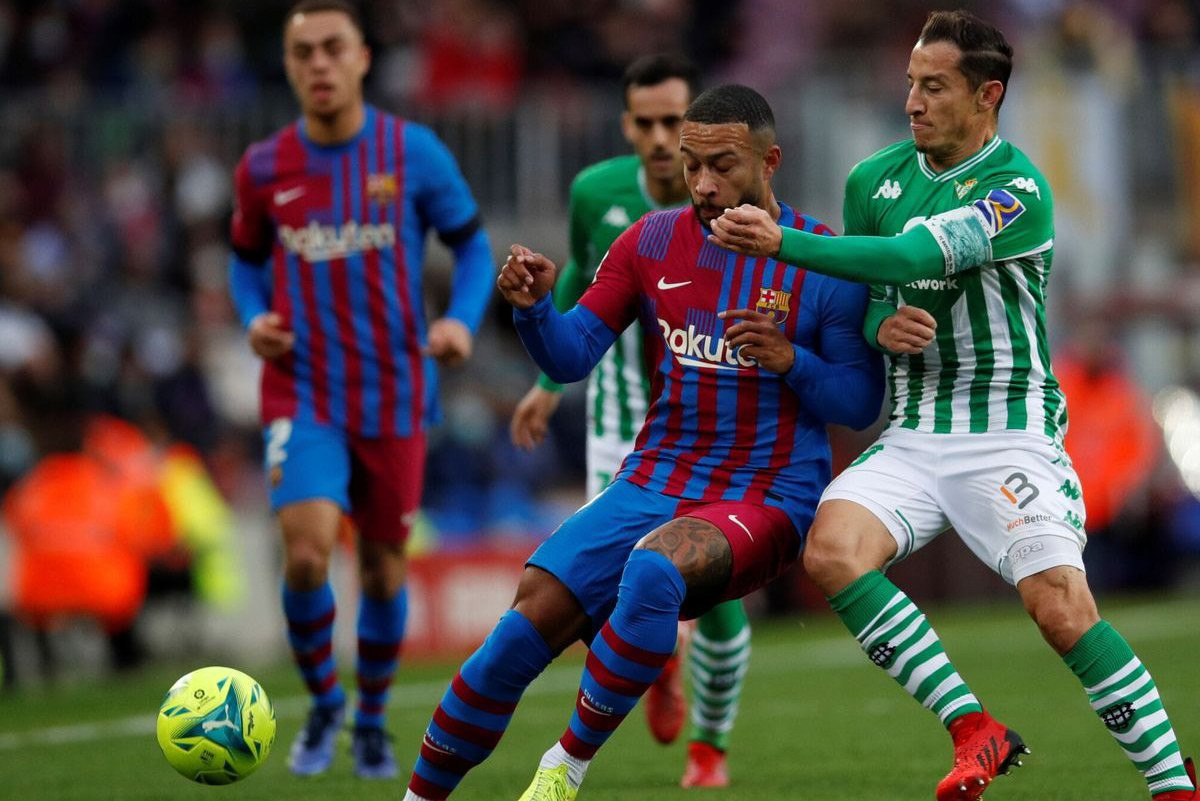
(895, 636)
(1123, 694)
(718, 658)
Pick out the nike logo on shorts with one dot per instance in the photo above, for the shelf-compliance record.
(742, 526)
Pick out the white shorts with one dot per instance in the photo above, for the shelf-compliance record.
(1012, 496)
(604, 457)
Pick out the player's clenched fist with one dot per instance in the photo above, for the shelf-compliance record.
(759, 337)
(909, 330)
(525, 277)
(268, 338)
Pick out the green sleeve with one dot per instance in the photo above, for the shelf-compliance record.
(881, 302)
(941, 245)
(866, 259)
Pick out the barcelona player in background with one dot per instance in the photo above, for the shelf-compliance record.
(328, 237)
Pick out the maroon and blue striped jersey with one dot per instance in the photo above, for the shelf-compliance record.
(719, 427)
(340, 231)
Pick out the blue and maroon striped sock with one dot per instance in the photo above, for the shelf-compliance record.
(478, 705)
(380, 635)
(310, 615)
(628, 653)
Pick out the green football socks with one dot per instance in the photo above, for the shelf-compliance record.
(718, 659)
(895, 636)
(1122, 693)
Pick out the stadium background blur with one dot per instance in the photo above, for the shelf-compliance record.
(120, 123)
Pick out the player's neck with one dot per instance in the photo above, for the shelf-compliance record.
(336, 128)
(667, 192)
(969, 147)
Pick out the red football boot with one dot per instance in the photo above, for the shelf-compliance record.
(666, 706)
(705, 767)
(983, 749)
(1183, 795)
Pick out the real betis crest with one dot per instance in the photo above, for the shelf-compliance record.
(962, 189)
(774, 302)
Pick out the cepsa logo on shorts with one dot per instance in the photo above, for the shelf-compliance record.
(1026, 520)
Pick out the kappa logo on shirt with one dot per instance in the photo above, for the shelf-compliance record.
(617, 217)
(888, 190)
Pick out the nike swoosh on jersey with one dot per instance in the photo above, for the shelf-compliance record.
(286, 196)
(662, 284)
(742, 526)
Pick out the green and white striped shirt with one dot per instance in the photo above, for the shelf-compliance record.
(988, 368)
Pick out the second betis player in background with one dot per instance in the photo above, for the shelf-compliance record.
(606, 198)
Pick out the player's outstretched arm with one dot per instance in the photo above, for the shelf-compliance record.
(894, 260)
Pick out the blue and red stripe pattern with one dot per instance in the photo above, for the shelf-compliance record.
(478, 705)
(710, 434)
(310, 616)
(381, 626)
(341, 230)
(629, 652)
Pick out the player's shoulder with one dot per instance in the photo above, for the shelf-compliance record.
(1010, 168)
(261, 159)
(417, 136)
(605, 176)
(882, 163)
(653, 234)
(884, 160)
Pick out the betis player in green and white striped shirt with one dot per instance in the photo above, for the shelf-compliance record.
(954, 230)
(605, 199)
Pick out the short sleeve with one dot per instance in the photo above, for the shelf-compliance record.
(613, 295)
(250, 229)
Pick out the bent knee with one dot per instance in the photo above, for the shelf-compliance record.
(845, 542)
(1061, 605)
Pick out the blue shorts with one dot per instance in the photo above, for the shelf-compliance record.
(377, 481)
(587, 553)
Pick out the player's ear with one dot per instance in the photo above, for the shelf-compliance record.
(771, 158)
(987, 97)
(627, 126)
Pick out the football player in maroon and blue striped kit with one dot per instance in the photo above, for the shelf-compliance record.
(328, 236)
(749, 359)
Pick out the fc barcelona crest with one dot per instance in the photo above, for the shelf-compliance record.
(774, 302)
(381, 188)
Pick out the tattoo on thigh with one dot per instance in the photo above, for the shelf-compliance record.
(702, 555)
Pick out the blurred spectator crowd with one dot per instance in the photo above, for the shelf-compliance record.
(120, 121)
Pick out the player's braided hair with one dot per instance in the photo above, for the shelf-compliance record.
(986, 54)
(313, 6)
(732, 103)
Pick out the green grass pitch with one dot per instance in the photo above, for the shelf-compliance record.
(818, 723)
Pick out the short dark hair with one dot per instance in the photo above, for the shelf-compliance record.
(654, 69)
(732, 103)
(986, 54)
(341, 6)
